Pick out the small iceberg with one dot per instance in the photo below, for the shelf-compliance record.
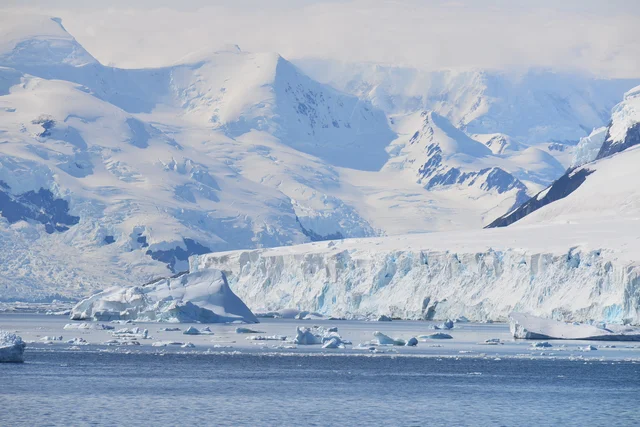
(95, 326)
(525, 326)
(436, 336)
(11, 348)
(383, 339)
(305, 336)
(247, 331)
(412, 342)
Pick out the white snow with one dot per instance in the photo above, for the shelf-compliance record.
(203, 297)
(238, 150)
(11, 348)
(525, 326)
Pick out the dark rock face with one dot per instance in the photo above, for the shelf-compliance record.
(609, 148)
(172, 256)
(315, 237)
(40, 206)
(560, 189)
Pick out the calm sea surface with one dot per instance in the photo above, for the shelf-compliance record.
(93, 388)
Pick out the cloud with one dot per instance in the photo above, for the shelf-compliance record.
(588, 35)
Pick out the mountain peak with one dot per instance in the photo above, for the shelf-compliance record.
(40, 41)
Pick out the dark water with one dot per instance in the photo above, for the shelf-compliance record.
(74, 388)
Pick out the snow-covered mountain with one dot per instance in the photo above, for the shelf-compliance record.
(572, 254)
(114, 176)
(532, 106)
(602, 184)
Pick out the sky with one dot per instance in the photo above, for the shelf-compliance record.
(595, 36)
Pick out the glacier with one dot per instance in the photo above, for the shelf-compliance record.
(561, 271)
(199, 297)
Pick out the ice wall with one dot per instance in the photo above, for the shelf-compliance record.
(434, 284)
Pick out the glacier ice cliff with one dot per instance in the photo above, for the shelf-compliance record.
(480, 275)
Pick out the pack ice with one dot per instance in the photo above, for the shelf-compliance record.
(11, 348)
(199, 297)
(529, 327)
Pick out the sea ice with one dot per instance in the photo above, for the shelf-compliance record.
(529, 327)
(84, 325)
(412, 342)
(11, 348)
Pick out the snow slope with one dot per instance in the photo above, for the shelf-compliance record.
(604, 189)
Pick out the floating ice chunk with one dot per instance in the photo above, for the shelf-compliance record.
(333, 329)
(11, 348)
(436, 336)
(384, 318)
(525, 326)
(51, 339)
(305, 336)
(334, 342)
(169, 330)
(202, 296)
(191, 331)
(188, 345)
(412, 342)
(131, 333)
(166, 343)
(78, 341)
(448, 324)
(461, 319)
(493, 341)
(246, 331)
(541, 344)
(387, 340)
(84, 325)
(206, 331)
(267, 337)
(588, 348)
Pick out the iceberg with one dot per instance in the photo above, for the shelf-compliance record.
(525, 326)
(387, 340)
(198, 297)
(436, 336)
(11, 348)
(306, 336)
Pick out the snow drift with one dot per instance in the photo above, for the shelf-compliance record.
(202, 297)
(11, 348)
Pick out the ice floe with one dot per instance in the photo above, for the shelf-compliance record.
(84, 325)
(524, 326)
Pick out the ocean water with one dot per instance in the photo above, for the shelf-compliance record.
(101, 388)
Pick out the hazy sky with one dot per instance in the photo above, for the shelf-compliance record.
(600, 37)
